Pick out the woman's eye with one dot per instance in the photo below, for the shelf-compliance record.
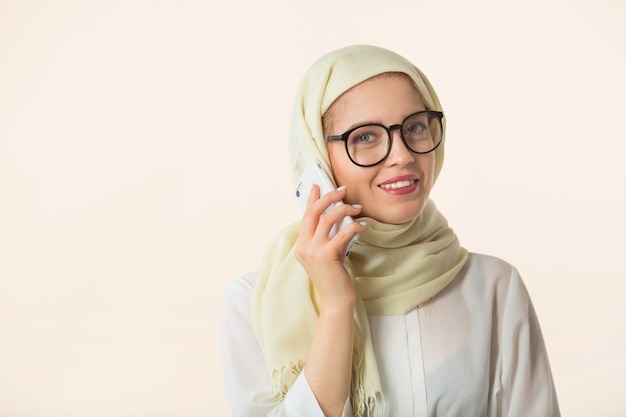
(364, 138)
(415, 128)
(367, 137)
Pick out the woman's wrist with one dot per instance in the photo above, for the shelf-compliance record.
(339, 304)
(337, 311)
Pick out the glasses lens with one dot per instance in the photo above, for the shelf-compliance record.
(422, 132)
(368, 144)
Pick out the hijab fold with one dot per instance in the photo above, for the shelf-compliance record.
(395, 268)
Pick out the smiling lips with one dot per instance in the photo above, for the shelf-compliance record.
(400, 185)
(396, 185)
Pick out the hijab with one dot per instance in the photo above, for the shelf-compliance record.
(395, 268)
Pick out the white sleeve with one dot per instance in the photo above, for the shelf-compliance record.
(246, 378)
(300, 401)
(524, 386)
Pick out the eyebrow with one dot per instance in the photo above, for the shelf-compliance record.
(359, 124)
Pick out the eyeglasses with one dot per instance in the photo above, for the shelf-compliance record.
(370, 144)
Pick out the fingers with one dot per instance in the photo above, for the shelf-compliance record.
(322, 214)
(319, 204)
(332, 220)
(316, 206)
(324, 211)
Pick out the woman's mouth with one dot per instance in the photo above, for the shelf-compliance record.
(405, 184)
(397, 184)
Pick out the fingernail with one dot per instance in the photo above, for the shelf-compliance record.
(343, 187)
(358, 206)
(363, 223)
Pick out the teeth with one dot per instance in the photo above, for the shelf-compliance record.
(398, 184)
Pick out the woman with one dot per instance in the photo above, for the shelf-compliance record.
(411, 324)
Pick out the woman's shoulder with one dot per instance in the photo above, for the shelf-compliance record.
(239, 291)
(489, 266)
(489, 273)
(243, 282)
(492, 281)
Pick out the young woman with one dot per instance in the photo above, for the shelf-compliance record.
(411, 324)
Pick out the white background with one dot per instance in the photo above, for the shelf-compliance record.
(143, 165)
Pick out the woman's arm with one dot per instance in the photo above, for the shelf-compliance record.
(328, 366)
(246, 377)
(322, 389)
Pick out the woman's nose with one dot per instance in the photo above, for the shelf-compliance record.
(399, 154)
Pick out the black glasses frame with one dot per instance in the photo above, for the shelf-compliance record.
(344, 137)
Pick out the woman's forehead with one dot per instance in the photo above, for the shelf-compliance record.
(373, 93)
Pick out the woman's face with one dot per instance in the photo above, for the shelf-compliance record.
(396, 190)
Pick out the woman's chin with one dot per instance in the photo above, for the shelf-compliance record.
(398, 216)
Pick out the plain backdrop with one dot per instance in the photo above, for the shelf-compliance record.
(143, 165)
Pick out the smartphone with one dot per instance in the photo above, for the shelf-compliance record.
(314, 173)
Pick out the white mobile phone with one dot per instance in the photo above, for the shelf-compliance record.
(314, 173)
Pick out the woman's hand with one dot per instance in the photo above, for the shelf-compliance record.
(321, 257)
(328, 366)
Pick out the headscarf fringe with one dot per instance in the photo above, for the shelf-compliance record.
(362, 405)
(283, 378)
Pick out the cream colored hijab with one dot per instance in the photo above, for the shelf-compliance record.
(395, 267)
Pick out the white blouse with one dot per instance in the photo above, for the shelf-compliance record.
(475, 349)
